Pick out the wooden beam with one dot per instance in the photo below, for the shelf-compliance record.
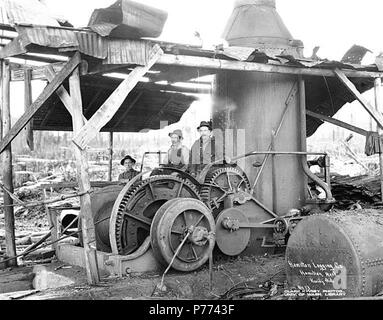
(14, 48)
(379, 109)
(27, 104)
(7, 171)
(38, 72)
(87, 223)
(338, 123)
(377, 116)
(107, 111)
(36, 58)
(218, 64)
(61, 92)
(110, 168)
(44, 96)
(127, 110)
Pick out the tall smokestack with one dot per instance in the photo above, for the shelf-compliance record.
(249, 108)
(257, 24)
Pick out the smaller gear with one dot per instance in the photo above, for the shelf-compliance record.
(221, 183)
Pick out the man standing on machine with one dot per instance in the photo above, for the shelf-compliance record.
(178, 154)
(205, 150)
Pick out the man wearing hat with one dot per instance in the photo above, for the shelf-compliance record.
(178, 154)
(205, 150)
(128, 162)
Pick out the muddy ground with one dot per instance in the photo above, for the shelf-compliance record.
(254, 277)
(250, 272)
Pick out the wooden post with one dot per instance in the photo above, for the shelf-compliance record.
(27, 104)
(87, 227)
(379, 109)
(110, 172)
(7, 166)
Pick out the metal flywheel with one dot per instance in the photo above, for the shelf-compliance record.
(133, 213)
(220, 183)
(182, 233)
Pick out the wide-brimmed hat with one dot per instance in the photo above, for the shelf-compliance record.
(176, 132)
(206, 124)
(128, 158)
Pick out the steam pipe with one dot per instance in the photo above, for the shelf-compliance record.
(306, 169)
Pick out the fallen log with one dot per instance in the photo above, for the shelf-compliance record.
(17, 295)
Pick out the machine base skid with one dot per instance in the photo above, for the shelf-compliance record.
(110, 264)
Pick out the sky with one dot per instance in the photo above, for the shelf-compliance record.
(334, 25)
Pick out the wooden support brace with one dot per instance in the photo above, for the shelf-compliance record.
(61, 92)
(44, 96)
(27, 103)
(7, 170)
(379, 108)
(338, 123)
(87, 223)
(110, 167)
(114, 102)
(351, 87)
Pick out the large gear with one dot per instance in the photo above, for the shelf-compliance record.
(220, 183)
(139, 205)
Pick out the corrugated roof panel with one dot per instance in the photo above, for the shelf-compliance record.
(92, 45)
(128, 52)
(49, 37)
(3, 14)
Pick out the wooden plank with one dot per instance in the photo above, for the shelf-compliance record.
(107, 111)
(27, 103)
(94, 184)
(9, 216)
(38, 72)
(110, 165)
(338, 123)
(218, 64)
(61, 92)
(377, 116)
(14, 48)
(379, 109)
(44, 96)
(87, 227)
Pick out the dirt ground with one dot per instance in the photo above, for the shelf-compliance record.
(242, 273)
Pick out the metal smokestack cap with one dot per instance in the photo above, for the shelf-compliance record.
(267, 3)
(257, 24)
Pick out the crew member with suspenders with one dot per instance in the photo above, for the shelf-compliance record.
(205, 150)
(178, 154)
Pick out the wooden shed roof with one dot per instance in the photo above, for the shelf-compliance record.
(159, 98)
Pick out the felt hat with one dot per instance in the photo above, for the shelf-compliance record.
(128, 158)
(176, 132)
(206, 124)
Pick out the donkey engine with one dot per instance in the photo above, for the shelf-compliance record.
(181, 217)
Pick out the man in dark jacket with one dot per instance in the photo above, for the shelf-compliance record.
(128, 162)
(205, 150)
